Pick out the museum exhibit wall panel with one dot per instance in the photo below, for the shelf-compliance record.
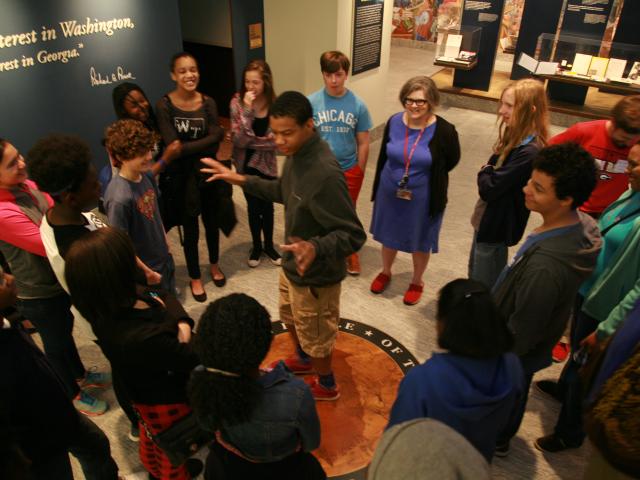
(59, 62)
(298, 31)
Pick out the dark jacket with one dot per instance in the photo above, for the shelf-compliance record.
(284, 421)
(505, 216)
(445, 154)
(142, 345)
(474, 396)
(35, 411)
(538, 291)
(317, 209)
(182, 183)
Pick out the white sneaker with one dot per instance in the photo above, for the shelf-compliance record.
(254, 258)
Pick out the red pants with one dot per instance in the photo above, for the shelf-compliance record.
(354, 177)
(159, 418)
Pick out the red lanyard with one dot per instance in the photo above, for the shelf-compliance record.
(407, 158)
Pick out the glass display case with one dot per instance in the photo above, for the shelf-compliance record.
(589, 59)
(458, 47)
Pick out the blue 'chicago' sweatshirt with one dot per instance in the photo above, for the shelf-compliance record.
(476, 397)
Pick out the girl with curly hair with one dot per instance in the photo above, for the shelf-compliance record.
(265, 422)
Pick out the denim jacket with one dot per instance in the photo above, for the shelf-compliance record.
(283, 423)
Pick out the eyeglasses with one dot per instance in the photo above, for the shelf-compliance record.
(418, 102)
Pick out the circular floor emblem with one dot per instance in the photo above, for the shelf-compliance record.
(368, 365)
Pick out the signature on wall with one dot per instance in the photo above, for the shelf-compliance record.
(97, 79)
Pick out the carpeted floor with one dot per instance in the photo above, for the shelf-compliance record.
(411, 326)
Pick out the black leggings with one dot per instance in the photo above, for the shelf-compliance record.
(53, 319)
(209, 202)
(123, 398)
(260, 214)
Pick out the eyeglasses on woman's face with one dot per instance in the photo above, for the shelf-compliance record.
(418, 102)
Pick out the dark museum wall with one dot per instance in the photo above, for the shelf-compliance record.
(59, 62)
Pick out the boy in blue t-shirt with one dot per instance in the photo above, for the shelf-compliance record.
(131, 199)
(343, 121)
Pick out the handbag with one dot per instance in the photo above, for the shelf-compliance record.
(181, 440)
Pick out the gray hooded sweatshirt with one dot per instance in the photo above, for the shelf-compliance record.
(425, 449)
(538, 291)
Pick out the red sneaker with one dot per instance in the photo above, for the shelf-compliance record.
(560, 352)
(380, 283)
(323, 393)
(353, 264)
(295, 365)
(413, 294)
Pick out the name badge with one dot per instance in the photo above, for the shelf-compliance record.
(620, 166)
(403, 194)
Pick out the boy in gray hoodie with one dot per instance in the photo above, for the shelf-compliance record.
(536, 290)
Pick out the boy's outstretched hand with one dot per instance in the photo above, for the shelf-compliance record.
(219, 172)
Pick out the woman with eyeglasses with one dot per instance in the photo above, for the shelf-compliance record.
(419, 148)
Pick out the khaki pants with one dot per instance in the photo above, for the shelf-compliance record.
(314, 312)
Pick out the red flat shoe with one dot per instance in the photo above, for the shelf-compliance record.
(560, 352)
(380, 283)
(413, 294)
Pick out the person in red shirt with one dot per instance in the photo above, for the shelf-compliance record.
(609, 141)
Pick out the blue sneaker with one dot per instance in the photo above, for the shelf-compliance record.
(89, 405)
(95, 379)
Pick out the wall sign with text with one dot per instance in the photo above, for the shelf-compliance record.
(367, 35)
(59, 62)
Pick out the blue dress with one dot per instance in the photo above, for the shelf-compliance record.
(400, 224)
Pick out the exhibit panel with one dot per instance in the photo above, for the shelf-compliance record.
(486, 15)
(587, 20)
(537, 18)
